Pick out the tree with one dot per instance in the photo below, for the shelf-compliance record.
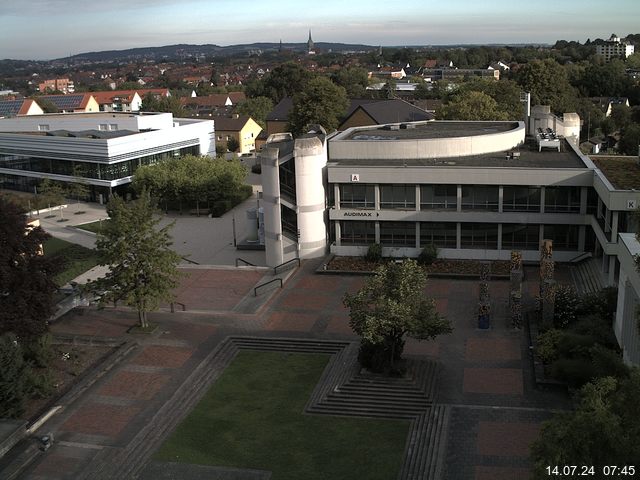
(51, 192)
(548, 83)
(257, 108)
(607, 80)
(13, 383)
(621, 116)
(390, 306)
(471, 105)
(143, 269)
(629, 143)
(285, 80)
(321, 102)
(156, 103)
(232, 144)
(603, 430)
(26, 276)
(354, 80)
(78, 188)
(47, 105)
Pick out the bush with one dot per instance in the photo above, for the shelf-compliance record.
(428, 255)
(220, 207)
(597, 327)
(547, 345)
(603, 303)
(575, 345)
(608, 363)
(38, 352)
(13, 369)
(567, 303)
(38, 383)
(374, 253)
(575, 372)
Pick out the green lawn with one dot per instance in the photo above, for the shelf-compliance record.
(93, 226)
(76, 259)
(253, 418)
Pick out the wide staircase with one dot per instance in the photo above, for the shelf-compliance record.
(587, 276)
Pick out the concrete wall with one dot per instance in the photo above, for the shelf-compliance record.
(79, 122)
(626, 323)
(427, 147)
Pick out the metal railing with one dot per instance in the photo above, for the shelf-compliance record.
(244, 261)
(255, 290)
(285, 264)
(173, 310)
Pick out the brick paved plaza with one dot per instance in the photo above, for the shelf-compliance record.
(485, 376)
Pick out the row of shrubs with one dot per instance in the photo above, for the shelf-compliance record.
(581, 345)
(427, 256)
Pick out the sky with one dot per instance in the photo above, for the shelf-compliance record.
(48, 29)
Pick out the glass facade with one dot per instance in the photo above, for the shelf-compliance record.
(100, 171)
(521, 199)
(439, 197)
(357, 233)
(480, 197)
(565, 237)
(562, 200)
(479, 235)
(442, 235)
(520, 236)
(287, 174)
(398, 234)
(357, 196)
(398, 196)
(289, 222)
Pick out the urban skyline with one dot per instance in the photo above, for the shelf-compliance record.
(57, 28)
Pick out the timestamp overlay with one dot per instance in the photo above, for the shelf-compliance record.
(606, 471)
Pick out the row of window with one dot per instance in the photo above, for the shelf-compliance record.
(102, 171)
(472, 235)
(474, 197)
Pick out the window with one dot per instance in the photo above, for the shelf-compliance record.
(479, 235)
(357, 196)
(562, 200)
(520, 236)
(565, 237)
(521, 199)
(357, 233)
(287, 174)
(289, 223)
(398, 196)
(439, 197)
(103, 127)
(442, 235)
(398, 234)
(479, 197)
(113, 126)
(43, 127)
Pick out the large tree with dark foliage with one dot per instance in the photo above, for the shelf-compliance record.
(26, 277)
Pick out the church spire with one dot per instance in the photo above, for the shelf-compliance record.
(310, 46)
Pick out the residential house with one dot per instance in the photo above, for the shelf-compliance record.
(606, 104)
(240, 127)
(76, 102)
(63, 85)
(14, 108)
(118, 101)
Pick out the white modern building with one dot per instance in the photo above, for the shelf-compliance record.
(476, 190)
(615, 47)
(103, 148)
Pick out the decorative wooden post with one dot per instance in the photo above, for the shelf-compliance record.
(484, 303)
(547, 283)
(515, 296)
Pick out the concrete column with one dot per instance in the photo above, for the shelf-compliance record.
(336, 225)
(458, 231)
(459, 194)
(582, 235)
(541, 236)
(614, 227)
(500, 200)
(336, 195)
(310, 155)
(611, 280)
(542, 191)
(584, 191)
(274, 254)
(376, 197)
(417, 198)
(500, 231)
(377, 232)
(417, 234)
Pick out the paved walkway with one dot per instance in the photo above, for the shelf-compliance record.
(486, 377)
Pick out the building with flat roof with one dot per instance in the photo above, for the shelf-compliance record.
(615, 47)
(102, 148)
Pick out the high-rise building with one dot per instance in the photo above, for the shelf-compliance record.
(615, 47)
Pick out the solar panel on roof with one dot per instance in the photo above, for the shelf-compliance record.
(10, 108)
(65, 102)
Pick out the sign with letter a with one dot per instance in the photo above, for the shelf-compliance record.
(355, 177)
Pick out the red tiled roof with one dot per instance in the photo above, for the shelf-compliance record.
(107, 97)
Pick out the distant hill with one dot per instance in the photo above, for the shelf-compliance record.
(185, 50)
